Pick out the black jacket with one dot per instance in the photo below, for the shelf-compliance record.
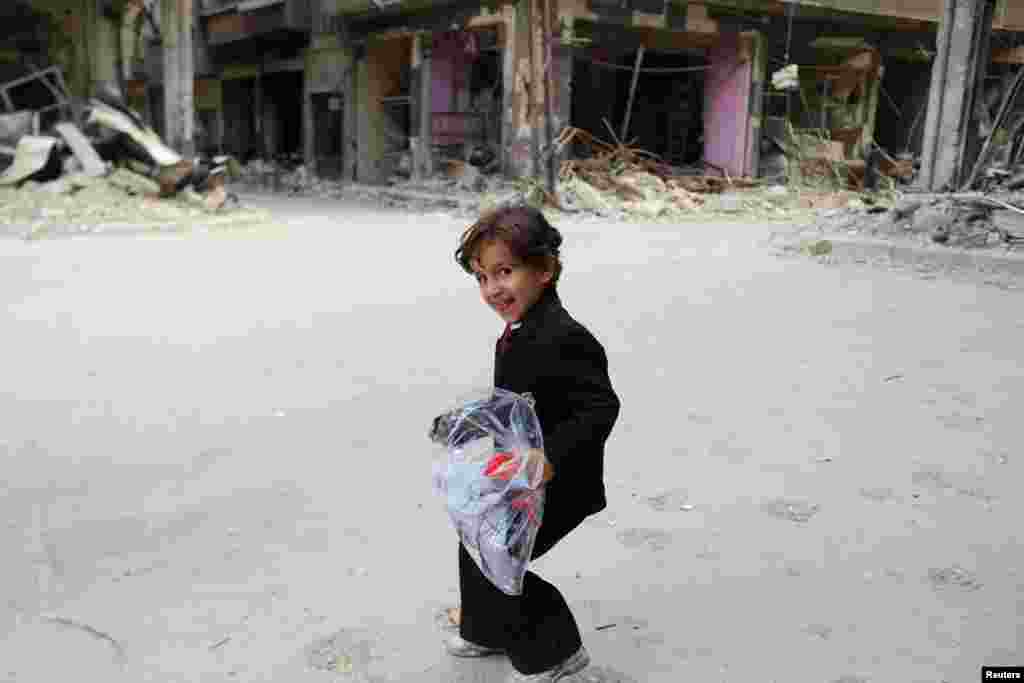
(557, 360)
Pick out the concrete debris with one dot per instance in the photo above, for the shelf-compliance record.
(66, 163)
(15, 126)
(33, 157)
(968, 220)
(83, 151)
(791, 510)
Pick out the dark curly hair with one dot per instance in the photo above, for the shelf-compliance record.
(528, 234)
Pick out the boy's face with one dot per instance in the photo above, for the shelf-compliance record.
(508, 285)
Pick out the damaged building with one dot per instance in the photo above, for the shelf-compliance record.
(417, 85)
(367, 90)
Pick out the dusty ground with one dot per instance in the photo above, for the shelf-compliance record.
(215, 463)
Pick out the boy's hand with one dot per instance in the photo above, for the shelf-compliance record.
(549, 469)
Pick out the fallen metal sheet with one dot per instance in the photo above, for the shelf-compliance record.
(106, 115)
(14, 126)
(83, 149)
(31, 156)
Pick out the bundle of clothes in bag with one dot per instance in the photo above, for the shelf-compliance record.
(493, 489)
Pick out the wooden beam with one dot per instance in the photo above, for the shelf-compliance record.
(1011, 55)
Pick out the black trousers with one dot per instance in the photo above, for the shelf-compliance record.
(536, 629)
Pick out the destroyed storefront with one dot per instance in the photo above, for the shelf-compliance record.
(251, 86)
(688, 98)
(427, 103)
(262, 112)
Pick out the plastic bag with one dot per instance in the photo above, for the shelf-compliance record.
(493, 489)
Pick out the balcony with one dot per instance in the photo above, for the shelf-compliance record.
(231, 21)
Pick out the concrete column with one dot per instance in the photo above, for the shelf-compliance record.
(179, 75)
(308, 125)
(520, 144)
(538, 87)
(962, 56)
(416, 105)
(508, 87)
(426, 119)
(561, 106)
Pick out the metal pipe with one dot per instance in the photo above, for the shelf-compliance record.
(632, 94)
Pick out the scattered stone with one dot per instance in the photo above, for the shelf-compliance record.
(669, 501)
(730, 203)
(905, 208)
(816, 247)
(878, 495)
(469, 178)
(791, 510)
(651, 208)
(653, 539)
(955, 576)
(819, 630)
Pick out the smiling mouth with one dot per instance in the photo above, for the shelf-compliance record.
(504, 305)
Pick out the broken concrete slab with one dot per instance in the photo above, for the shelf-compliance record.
(32, 155)
(14, 126)
(82, 148)
(109, 117)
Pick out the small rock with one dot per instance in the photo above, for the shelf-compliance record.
(816, 247)
(791, 510)
(651, 208)
(820, 630)
(933, 220)
(955, 576)
(730, 203)
(471, 179)
(904, 209)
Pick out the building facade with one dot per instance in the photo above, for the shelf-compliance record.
(360, 88)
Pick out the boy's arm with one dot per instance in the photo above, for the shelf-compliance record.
(581, 373)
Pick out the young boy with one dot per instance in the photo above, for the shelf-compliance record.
(514, 255)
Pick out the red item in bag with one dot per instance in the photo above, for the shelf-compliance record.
(496, 463)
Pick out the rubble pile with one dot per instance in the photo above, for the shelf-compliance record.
(619, 177)
(293, 179)
(100, 164)
(968, 220)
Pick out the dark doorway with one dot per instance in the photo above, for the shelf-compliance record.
(667, 113)
(328, 132)
(902, 106)
(282, 98)
(240, 119)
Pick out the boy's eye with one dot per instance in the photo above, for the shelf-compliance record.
(506, 271)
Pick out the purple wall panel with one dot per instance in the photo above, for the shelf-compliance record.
(727, 107)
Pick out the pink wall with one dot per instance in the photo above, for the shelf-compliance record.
(449, 70)
(727, 108)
